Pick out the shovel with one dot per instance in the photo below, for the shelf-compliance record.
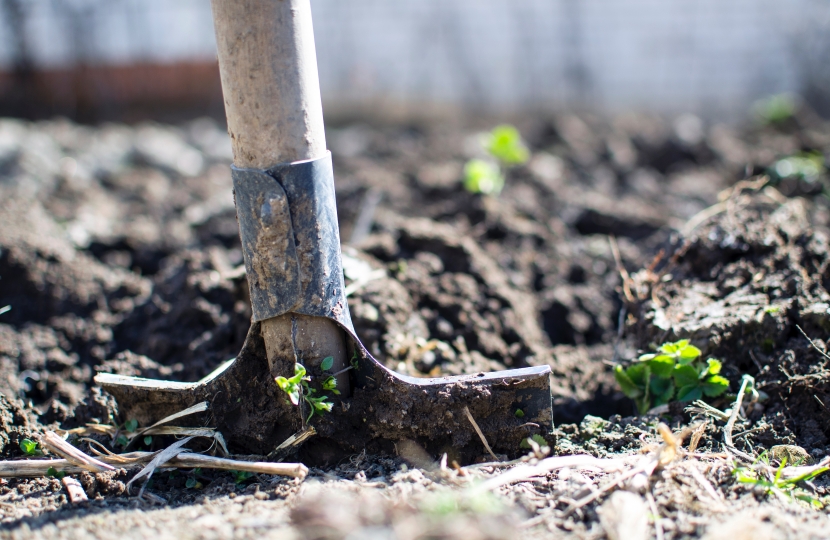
(284, 195)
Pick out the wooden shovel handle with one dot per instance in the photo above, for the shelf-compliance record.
(268, 66)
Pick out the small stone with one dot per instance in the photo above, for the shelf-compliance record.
(795, 455)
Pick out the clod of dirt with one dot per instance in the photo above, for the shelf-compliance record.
(15, 425)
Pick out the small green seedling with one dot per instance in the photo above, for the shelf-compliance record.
(505, 146)
(131, 425)
(776, 109)
(148, 440)
(674, 372)
(240, 477)
(54, 473)
(30, 448)
(297, 388)
(538, 439)
(519, 413)
(772, 309)
(192, 481)
(806, 166)
(483, 177)
(786, 488)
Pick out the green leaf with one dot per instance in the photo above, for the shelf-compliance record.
(299, 373)
(122, 440)
(626, 384)
(715, 386)
(51, 471)
(29, 447)
(662, 389)
(241, 476)
(639, 374)
(519, 413)
(482, 177)
(689, 352)
(644, 357)
(190, 483)
(689, 393)
(327, 362)
(148, 440)
(131, 425)
(505, 144)
(330, 383)
(662, 365)
(686, 376)
(714, 366)
(323, 406)
(672, 348)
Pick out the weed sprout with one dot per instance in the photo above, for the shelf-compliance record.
(674, 372)
(505, 148)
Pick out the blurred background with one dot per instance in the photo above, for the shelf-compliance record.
(93, 60)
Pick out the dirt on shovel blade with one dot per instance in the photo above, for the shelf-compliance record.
(119, 252)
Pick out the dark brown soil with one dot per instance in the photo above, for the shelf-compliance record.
(119, 252)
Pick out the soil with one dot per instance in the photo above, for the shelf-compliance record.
(119, 252)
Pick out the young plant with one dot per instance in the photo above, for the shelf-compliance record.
(54, 473)
(806, 166)
(130, 426)
(192, 481)
(776, 109)
(673, 372)
(30, 448)
(297, 388)
(240, 477)
(786, 488)
(505, 148)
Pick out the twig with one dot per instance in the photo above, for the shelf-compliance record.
(523, 472)
(55, 444)
(74, 489)
(730, 424)
(803, 333)
(696, 436)
(647, 467)
(199, 407)
(292, 441)
(160, 459)
(626, 277)
(658, 527)
(702, 216)
(480, 434)
(706, 485)
(33, 468)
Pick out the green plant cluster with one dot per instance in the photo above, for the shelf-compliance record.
(776, 109)
(787, 488)
(674, 372)
(297, 388)
(505, 146)
(807, 166)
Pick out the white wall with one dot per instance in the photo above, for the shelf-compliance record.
(708, 56)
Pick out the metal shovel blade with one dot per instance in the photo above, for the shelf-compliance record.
(384, 407)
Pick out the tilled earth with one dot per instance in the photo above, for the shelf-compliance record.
(119, 252)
